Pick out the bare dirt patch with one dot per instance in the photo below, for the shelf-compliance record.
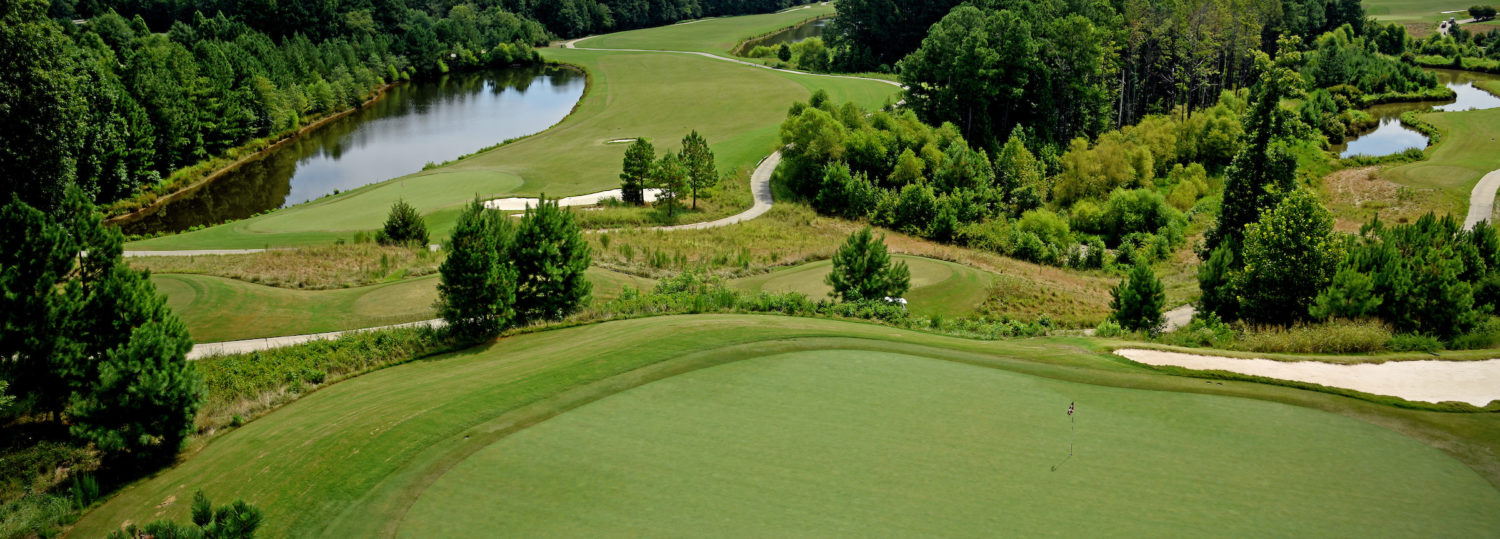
(1356, 195)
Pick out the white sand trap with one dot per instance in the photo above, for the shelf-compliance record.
(1473, 382)
(520, 203)
(620, 141)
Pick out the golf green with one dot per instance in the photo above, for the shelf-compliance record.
(841, 442)
(767, 425)
(937, 287)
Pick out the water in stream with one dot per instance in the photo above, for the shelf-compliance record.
(412, 125)
(790, 35)
(1392, 137)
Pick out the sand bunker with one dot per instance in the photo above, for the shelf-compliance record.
(1473, 382)
(620, 141)
(520, 203)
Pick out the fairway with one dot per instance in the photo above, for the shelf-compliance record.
(1467, 152)
(220, 309)
(733, 424)
(656, 95)
(713, 36)
(937, 287)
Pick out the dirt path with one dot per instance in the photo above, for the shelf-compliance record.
(1482, 199)
(1473, 382)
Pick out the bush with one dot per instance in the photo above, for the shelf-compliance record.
(1205, 330)
(1411, 342)
(1137, 301)
(1337, 337)
(1108, 329)
(403, 227)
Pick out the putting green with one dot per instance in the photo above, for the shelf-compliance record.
(937, 287)
(657, 95)
(741, 424)
(841, 442)
(220, 309)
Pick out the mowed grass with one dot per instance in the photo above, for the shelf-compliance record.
(1398, 10)
(221, 309)
(1468, 151)
(713, 36)
(658, 96)
(937, 287)
(858, 443)
(834, 426)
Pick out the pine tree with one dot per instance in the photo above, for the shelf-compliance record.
(477, 290)
(639, 158)
(670, 177)
(862, 270)
(1215, 281)
(550, 257)
(699, 161)
(404, 226)
(1138, 300)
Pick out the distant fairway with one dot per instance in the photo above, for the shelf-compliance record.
(937, 287)
(713, 36)
(764, 425)
(659, 96)
(219, 309)
(1467, 152)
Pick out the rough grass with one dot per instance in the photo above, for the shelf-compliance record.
(792, 234)
(307, 268)
(1337, 337)
(374, 454)
(659, 96)
(220, 309)
(730, 196)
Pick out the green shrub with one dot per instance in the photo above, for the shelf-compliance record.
(1138, 300)
(1108, 329)
(1206, 330)
(1410, 342)
(403, 227)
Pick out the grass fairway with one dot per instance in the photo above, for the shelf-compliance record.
(715, 424)
(659, 96)
(937, 287)
(1468, 151)
(713, 36)
(220, 309)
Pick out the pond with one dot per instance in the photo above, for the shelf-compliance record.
(1392, 137)
(790, 35)
(412, 125)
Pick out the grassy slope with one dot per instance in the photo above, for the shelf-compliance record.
(937, 287)
(1397, 10)
(660, 96)
(1466, 153)
(351, 459)
(713, 36)
(845, 443)
(220, 309)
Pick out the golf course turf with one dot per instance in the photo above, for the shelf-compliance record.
(657, 95)
(720, 423)
(937, 287)
(1467, 152)
(219, 309)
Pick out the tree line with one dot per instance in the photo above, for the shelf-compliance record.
(114, 105)
(324, 19)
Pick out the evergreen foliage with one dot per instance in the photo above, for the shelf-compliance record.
(1290, 254)
(1139, 300)
(672, 178)
(403, 226)
(237, 520)
(477, 289)
(550, 257)
(862, 270)
(639, 159)
(698, 159)
(88, 339)
(1216, 282)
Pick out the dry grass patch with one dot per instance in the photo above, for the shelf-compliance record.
(307, 268)
(792, 234)
(1356, 195)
